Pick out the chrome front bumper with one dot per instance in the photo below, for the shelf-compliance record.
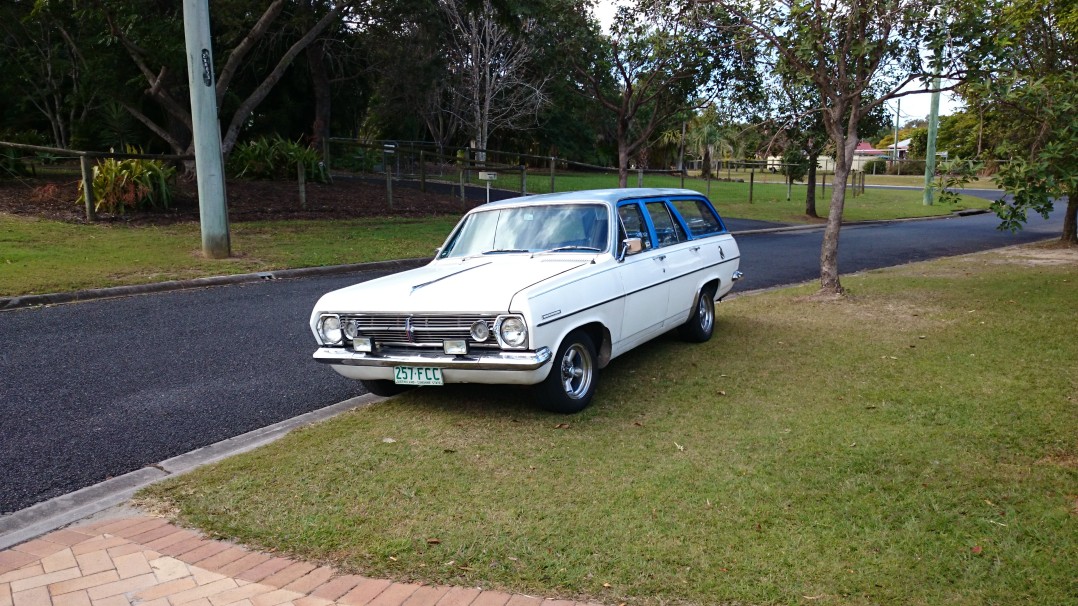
(501, 360)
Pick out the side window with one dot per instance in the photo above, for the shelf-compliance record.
(667, 230)
(633, 221)
(698, 216)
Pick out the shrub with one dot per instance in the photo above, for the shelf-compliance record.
(12, 165)
(131, 183)
(875, 167)
(275, 158)
(907, 167)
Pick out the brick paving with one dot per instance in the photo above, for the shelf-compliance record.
(149, 562)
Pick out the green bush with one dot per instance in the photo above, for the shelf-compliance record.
(131, 183)
(907, 167)
(275, 158)
(875, 167)
(12, 165)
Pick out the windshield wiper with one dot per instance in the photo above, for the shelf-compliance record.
(584, 248)
(498, 251)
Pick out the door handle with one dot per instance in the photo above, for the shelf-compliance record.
(695, 248)
(660, 258)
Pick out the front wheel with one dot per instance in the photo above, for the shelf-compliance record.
(701, 323)
(571, 383)
(381, 387)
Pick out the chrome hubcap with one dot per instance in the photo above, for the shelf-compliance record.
(706, 312)
(576, 371)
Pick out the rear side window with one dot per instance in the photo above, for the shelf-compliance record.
(667, 230)
(699, 217)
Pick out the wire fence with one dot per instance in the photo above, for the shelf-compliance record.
(463, 169)
(529, 174)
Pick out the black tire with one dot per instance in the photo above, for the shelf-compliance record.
(573, 374)
(381, 387)
(701, 324)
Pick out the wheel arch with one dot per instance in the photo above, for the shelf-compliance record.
(711, 286)
(600, 337)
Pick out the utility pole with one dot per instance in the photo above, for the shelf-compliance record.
(209, 164)
(894, 145)
(930, 151)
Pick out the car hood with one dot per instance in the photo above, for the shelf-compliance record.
(478, 284)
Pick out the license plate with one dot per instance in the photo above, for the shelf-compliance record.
(417, 375)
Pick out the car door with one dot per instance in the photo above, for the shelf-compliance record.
(643, 278)
(680, 258)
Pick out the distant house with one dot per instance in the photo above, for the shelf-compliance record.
(903, 148)
(864, 154)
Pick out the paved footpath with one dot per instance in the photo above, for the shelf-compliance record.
(149, 562)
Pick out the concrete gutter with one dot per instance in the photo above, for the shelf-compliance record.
(63, 510)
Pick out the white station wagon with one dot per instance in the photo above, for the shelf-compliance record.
(540, 290)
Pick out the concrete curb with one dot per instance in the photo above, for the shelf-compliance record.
(7, 303)
(63, 510)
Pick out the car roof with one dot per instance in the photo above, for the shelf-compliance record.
(604, 196)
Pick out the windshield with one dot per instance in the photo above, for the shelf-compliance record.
(566, 227)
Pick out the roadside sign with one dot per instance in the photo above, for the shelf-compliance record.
(485, 176)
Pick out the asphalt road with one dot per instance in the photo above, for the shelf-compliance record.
(96, 389)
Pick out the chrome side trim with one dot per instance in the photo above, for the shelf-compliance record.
(503, 360)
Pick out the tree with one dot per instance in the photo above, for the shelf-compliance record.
(703, 138)
(857, 54)
(155, 48)
(653, 67)
(41, 49)
(1032, 104)
(490, 67)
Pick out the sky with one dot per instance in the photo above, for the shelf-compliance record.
(913, 107)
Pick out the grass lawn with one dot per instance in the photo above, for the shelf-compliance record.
(39, 256)
(916, 443)
(768, 198)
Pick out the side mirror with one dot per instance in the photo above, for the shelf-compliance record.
(630, 246)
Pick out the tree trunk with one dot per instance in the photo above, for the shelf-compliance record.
(322, 96)
(706, 173)
(623, 164)
(1070, 221)
(829, 279)
(810, 192)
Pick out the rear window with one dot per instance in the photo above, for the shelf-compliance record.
(698, 216)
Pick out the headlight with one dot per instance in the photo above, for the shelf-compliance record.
(513, 331)
(351, 329)
(329, 327)
(480, 331)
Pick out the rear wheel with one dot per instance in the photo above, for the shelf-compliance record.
(381, 387)
(571, 383)
(701, 323)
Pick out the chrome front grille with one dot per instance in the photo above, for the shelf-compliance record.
(420, 330)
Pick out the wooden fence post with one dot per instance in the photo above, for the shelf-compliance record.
(301, 177)
(88, 187)
(752, 179)
(552, 162)
(422, 171)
